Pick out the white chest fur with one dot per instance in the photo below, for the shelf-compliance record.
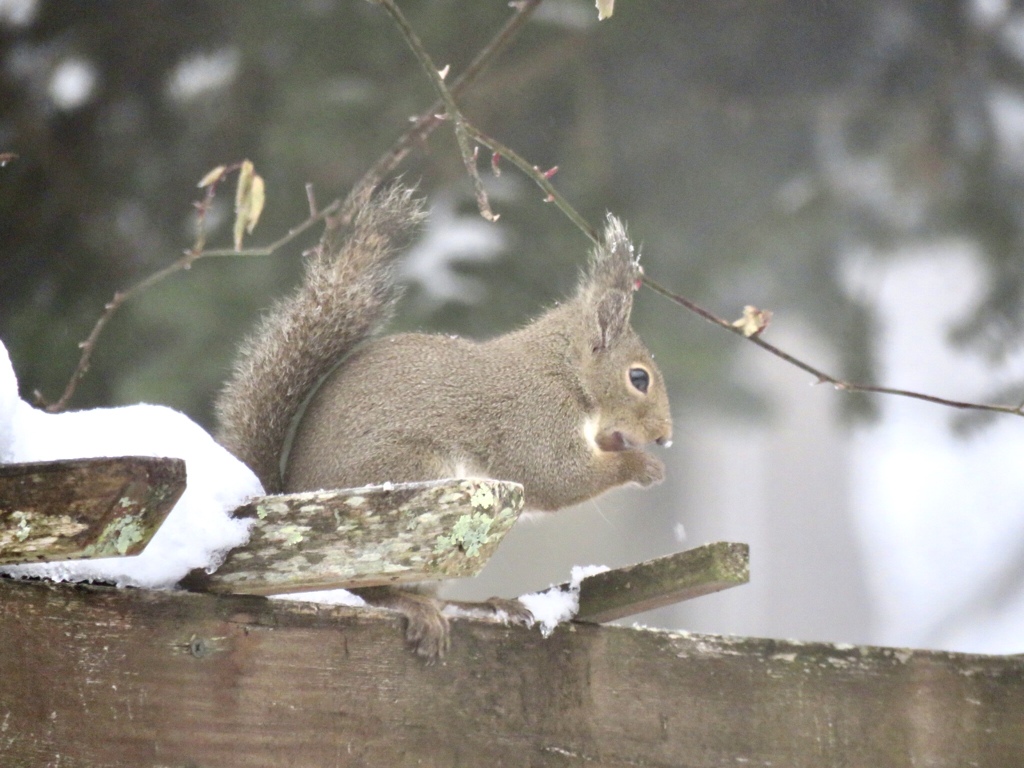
(589, 430)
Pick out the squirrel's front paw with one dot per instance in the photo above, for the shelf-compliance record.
(651, 470)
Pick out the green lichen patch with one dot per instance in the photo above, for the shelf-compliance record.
(118, 538)
(30, 531)
(469, 534)
(482, 497)
(22, 528)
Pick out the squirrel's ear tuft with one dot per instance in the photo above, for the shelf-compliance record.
(615, 263)
(613, 276)
(613, 308)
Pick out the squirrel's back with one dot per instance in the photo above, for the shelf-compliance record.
(415, 406)
(348, 293)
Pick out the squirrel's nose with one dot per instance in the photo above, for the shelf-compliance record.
(665, 439)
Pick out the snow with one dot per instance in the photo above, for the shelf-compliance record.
(197, 533)
(201, 74)
(18, 13)
(72, 84)
(551, 607)
(556, 605)
(324, 597)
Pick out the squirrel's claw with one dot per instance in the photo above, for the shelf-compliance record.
(511, 611)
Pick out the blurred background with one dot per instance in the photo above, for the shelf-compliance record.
(855, 167)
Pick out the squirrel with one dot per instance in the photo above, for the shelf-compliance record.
(565, 405)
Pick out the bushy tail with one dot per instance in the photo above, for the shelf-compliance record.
(348, 293)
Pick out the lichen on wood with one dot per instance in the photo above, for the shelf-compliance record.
(368, 536)
(663, 581)
(85, 508)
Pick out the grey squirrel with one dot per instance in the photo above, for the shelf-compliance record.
(564, 405)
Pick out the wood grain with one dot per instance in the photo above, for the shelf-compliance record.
(97, 677)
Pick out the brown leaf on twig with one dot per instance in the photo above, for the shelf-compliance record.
(754, 321)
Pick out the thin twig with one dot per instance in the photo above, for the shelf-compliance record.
(453, 113)
(190, 256)
(291, 234)
(428, 120)
(820, 376)
(538, 177)
(311, 199)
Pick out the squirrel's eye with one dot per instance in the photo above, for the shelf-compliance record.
(639, 378)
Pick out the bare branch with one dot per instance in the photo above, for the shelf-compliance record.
(193, 254)
(539, 177)
(820, 376)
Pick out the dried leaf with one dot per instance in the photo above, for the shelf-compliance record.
(212, 176)
(257, 197)
(249, 199)
(605, 9)
(754, 321)
(245, 173)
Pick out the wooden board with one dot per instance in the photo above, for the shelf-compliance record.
(84, 508)
(367, 536)
(97, 677)
(663, 581)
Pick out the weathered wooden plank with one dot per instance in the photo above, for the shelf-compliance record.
(85, 508)
(134, 679)
(368, 536)
(663, 581)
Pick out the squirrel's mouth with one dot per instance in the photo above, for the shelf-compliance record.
(620, 441)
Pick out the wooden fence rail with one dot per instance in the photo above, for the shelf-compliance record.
(94, 676)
